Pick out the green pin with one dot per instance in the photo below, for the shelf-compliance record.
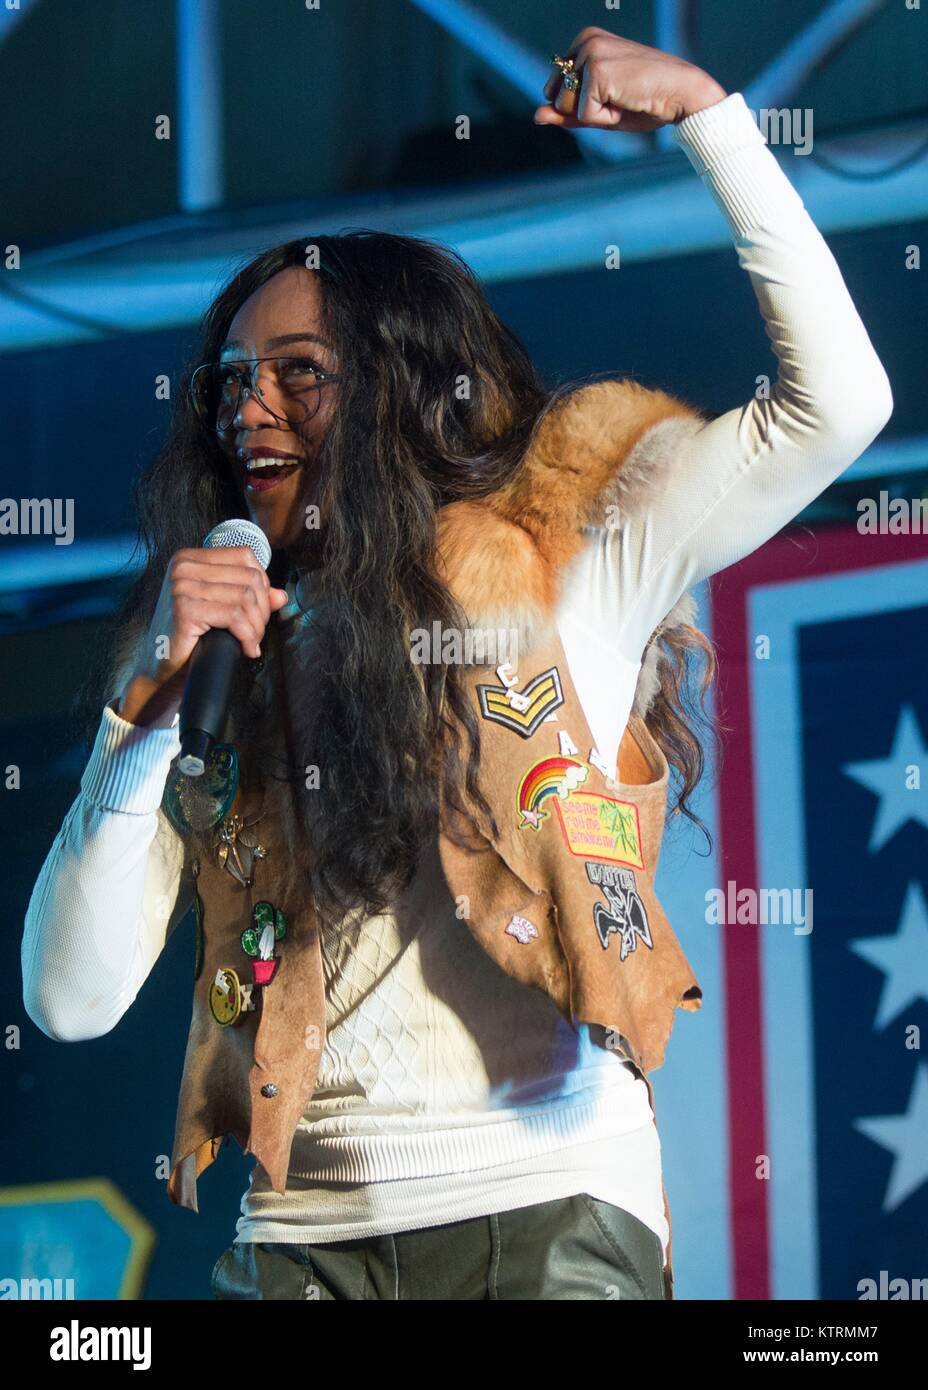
(264, 914)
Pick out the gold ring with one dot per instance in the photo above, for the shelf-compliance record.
(570, 75)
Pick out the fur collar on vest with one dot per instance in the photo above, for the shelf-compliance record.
(597, 458)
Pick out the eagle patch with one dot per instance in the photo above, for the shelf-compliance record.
(623, 914)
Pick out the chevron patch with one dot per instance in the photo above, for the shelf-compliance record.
(522, 710)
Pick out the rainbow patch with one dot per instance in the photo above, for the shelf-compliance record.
(549, 777)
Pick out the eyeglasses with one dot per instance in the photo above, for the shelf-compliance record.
(218, 389)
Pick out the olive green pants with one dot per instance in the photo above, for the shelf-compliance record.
(575, 1247)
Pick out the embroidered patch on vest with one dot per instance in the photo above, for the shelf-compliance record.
(522, 710)
(548, 777)
(624, 913)
(595, 826)
(522, 929)
(269, 926)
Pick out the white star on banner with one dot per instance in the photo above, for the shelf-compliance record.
(887, 778)
(905, 1136)
(903, 957)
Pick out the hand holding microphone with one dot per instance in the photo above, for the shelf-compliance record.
(214, 606)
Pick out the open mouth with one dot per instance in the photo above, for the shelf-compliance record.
(265, 473)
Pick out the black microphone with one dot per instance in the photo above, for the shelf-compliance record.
(214, 662)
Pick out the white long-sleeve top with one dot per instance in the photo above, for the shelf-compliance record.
(445, 1090)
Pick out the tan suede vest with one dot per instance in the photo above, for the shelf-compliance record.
(562, 899)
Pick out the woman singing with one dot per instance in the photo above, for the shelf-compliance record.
(432, 974)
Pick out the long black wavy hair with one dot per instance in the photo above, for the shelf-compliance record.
(407, 318)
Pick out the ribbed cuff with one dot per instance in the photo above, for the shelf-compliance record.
(129, 764)
(725, 146)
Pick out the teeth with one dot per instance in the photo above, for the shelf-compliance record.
(252, 465)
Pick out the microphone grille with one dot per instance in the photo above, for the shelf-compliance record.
(237, 532)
